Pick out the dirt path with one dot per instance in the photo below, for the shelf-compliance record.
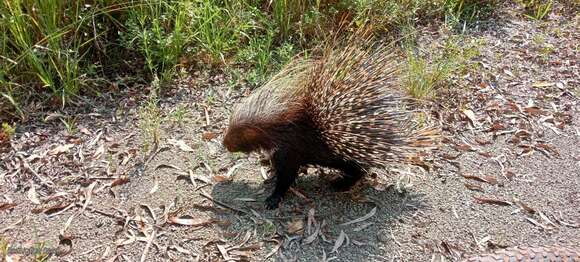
(507, 175)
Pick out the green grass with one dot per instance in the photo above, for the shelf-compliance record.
(536, 9)
(429, 71)
(160, 31)
(150, 119)
(53, 51)
(70, 124)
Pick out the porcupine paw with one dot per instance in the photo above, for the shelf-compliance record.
(272, 202)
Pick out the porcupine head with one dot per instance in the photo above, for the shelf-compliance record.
(254, 121)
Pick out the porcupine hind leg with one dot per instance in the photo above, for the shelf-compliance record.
(286, 165)
(352, 173)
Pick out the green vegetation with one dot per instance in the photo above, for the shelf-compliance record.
(8, 130)
(39, 253)
(431, 70)
(53, 51)
(537, 9)
(3, 248)
(70, 124)
(150, 118)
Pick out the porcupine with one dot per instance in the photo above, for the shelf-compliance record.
(343, 111)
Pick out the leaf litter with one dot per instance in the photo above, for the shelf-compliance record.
(518, 121)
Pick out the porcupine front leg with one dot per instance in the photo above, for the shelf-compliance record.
(286, 166)
(352, 174)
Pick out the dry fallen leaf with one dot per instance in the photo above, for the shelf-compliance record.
(99, 152)
(450, 157)
(60, 149)
(496, 126)
(339, 241)
(32, 195)
(155, 186)
(463, 147)
(485, 154)
(484, 200)
(524, 206)
(296, 226)
(486, 179)
(85, 131)
(361, 219)
(207, 136)
(187, 220)
(533, 110)
(5, 206)
(543, 84)
(180, 144)
(471, 116)
(220, 178)
(51, 209)
(482, 141)
(119, 181)
(473, 187)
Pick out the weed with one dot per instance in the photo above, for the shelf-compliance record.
(150, 117)
(39, 254)
(462, 12)
(219, 29)
(179, 114)
(3, 248)
(43, 49)
(427, 73)
(267, 228)
(70, 124)
(159, 30)
(8, 129)
(539, 39)
(543, 48)
(536, 9)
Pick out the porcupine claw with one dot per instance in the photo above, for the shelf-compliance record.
(272, 202)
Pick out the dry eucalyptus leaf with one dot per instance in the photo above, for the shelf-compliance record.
(155, 186)
(99, 152)
(471, 116)
(361, 219)
(484, 200)
(187, 220)
(180, 144)
(339, 242)
(296, 226)
(32, 195)
(60, 149)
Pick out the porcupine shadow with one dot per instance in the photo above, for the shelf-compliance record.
(333, 207)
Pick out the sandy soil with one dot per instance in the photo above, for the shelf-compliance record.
(507, 174)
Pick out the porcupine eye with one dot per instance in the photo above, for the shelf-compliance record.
(241, 140)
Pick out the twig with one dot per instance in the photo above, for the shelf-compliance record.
(12, 226)
(149, 241)
(394, 239)
(91, 209)
(90, 251)
(203, 194)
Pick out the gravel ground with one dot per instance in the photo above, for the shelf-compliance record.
(506, 176)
